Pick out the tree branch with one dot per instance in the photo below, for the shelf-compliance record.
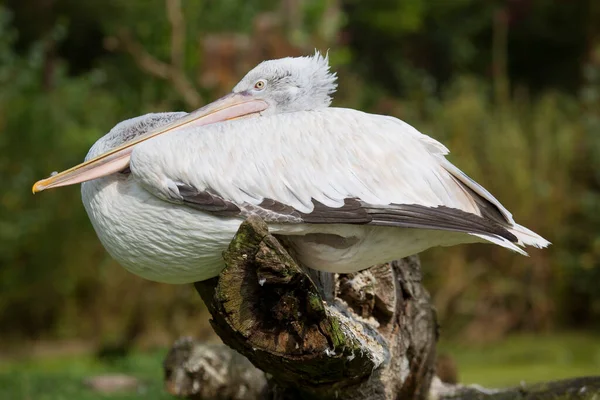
(174, 72)
(572, 389)
(142, 58)
(177, 22)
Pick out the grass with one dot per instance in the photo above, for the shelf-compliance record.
(527, 358)
(62, 378)
(523, 358)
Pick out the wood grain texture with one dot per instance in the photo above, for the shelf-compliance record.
(374, 340)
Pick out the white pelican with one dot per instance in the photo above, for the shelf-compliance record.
(167, 192)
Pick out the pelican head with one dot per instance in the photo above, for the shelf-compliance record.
(290, 84)
(276, 86)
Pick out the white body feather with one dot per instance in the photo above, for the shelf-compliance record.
(326, 155)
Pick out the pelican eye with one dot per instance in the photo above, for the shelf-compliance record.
(260, 85)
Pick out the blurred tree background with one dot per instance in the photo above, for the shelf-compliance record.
(512, 87)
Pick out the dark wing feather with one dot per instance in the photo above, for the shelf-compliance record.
(206, 201)
(354, 211)
(444, 218)
(487, 209)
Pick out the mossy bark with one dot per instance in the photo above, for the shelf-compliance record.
(374, 340)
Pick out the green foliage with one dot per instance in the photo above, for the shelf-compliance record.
(42, 130)
(63, 378)
(64, 83)
(525, 358)
(580, 253)
(400, 42)
(55, 276)
(526, 153)
(516, 359)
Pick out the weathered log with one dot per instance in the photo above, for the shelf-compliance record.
(374, 340)
(187, 377)
(211, 372)
(568, 389)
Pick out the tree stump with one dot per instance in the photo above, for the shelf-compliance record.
(369, 335)
(375, 338)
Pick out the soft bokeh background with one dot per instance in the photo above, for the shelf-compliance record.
(512, 87)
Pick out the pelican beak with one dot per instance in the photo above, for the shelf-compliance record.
(231, 106)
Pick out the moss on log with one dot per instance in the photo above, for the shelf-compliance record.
(374, 340)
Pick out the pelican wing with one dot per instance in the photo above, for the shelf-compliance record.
(353, 211)
(327, 166)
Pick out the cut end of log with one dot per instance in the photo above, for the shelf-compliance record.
(377, 336)
(265, 306)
